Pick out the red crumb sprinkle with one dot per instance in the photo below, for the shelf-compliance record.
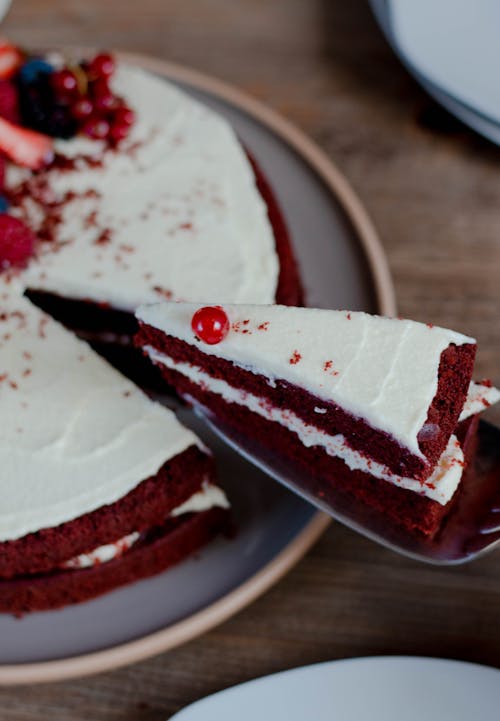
(186, 226)
(26, 372)
(27, 355)
(13, 385)
(237, 326)
(263, 326)
(430, 325)
(164, 292)
(328, 368)
(104, 237)
(296, 358)
(41, 327)
(348, 316)
(126, 394)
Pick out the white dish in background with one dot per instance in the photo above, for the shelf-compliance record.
(452, 48)
(342, 265)
(384, 688)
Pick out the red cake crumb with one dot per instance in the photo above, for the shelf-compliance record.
(295, 358)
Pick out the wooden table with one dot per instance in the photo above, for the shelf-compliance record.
(433, 190)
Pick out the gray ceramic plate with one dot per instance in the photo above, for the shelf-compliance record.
(343, 266)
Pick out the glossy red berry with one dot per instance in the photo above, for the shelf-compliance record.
(102, 66)
(118, 131)
(104, 102)
(210, 324)
(17, 242)
(82, 108)
(97, 128)
(64, 82)
(124, 116)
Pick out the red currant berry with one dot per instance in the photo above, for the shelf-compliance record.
(82, 109)
(124, 115)
(64, 82)
(102, 66)
(119, 131)
(210, 324)
(96, 128)
(100, 87)
(104, 102)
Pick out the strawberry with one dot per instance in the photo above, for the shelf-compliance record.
(17, 242)
(10, 60)
(25, 147)
(9, 101)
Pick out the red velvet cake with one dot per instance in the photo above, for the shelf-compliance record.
(100, 485)
(116, 189)
(363, 404)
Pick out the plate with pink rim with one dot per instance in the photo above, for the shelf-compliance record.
(343, 265)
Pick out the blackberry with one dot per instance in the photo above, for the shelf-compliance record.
(40, 110)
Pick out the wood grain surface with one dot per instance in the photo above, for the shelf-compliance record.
(433, 190)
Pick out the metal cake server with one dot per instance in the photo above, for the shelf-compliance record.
(471, 529)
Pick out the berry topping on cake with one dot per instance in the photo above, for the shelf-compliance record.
(64, 83)
(17, 242)
(69, 99)
(25, 147)
(102, 66)
(10, 60)
(210, 324)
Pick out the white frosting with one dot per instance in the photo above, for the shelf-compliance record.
(75, 434)
(178, 202)
(440, 486)
(209, 496)
(479, 397)
(384, 370)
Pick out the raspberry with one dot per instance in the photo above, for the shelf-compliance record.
(17, 242)
(9, 101)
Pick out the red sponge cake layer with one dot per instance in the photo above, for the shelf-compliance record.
(161, 548)
(455, 370)
(145, 506)
(328, 478)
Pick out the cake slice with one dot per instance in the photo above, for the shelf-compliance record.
(364, 403)
(100, 485)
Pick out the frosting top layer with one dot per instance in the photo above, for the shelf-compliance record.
(75, 434)
(383, 370)
(174, 213)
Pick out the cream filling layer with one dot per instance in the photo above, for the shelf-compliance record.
(209, 496)
(440, 486)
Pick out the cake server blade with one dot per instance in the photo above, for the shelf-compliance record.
(471, 529)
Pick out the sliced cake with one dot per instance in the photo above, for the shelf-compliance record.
(100, 486)
(368, 404)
